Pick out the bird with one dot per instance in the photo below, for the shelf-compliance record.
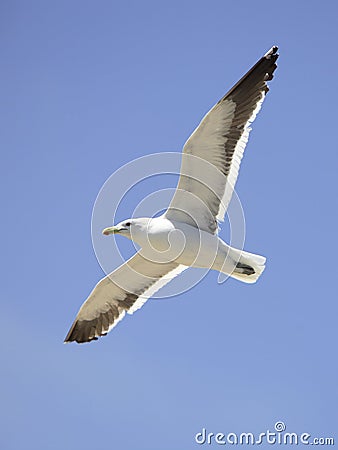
(187, 233)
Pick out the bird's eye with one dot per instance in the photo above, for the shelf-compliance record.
(127, 224)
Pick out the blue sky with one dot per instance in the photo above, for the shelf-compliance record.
(89, 86)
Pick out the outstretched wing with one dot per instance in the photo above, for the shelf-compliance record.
(212, 155)
(124, 290)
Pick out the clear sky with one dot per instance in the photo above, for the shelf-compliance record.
(86, 88)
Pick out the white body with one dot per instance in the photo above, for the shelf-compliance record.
(163, 240)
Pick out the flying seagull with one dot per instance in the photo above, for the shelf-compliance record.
(186, 235)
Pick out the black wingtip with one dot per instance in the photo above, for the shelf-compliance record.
(81, 332)
(80, 340)
(273, 51)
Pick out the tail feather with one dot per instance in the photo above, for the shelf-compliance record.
(249, 266)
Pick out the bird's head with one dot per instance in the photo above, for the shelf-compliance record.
(128, 228)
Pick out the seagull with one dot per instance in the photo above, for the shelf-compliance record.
(186, 235)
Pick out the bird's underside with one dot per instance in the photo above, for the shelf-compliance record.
(210, 164)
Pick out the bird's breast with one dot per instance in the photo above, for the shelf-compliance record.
(182, 243)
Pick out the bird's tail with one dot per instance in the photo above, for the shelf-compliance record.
(249, 266)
